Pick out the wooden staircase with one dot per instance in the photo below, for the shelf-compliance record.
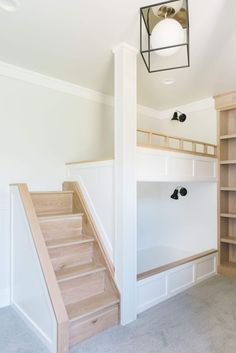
(82, 268)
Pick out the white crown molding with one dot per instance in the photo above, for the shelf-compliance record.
(125, 46)
(204, 104)
(150, 112)
(36, 78)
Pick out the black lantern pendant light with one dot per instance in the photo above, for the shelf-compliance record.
(164, 35)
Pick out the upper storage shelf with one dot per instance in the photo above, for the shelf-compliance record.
(167, 158)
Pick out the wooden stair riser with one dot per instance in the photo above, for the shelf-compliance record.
(61, 228)
(82, 329)
(52, 203)
(82, 288)
(70, 256)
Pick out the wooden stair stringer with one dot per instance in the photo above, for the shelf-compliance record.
(47, 269)
(80, 205)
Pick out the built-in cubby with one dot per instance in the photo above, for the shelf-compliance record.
(227, 186)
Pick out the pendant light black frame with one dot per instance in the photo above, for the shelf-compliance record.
(144, 23)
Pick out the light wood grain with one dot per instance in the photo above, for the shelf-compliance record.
(74, 186)
(80, 330)
(52, 203)
(78, 289)
(47, 269)
(225, 101)
(69, 241)
(61, 226)
(228, 240)
(160, 269)
(228, 137)
(226, 105)
(89, 161)
(91, 306)
(208, 150)
(71, 256)
(65, 274)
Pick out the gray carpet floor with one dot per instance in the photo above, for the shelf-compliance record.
(200, 320)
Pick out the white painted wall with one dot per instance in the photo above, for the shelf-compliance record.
(200, 125)
(188, 223)
(97, 182)
(41, 129)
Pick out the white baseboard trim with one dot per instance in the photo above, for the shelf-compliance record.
(4, 297)
(33, 326)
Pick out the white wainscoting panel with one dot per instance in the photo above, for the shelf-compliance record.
(4, 255)
(29, 294)
(157, 288)
(161, 165)
(97, 182)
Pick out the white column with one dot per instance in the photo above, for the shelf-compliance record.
(125, 178)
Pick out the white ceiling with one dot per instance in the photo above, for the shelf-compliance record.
(72, 40)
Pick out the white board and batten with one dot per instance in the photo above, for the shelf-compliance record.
(161, 165)
(155, 289)
(97, 181)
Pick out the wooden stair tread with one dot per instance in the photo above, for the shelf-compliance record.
(91, 305)
(52, 192)
(78, 271)
(79, 239)
(60, 217)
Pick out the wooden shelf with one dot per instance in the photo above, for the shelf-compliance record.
(227, 137)
(228, 215)
(227, 269)
(228, 188)
(233, 161)
(227, 178)
(228, 240)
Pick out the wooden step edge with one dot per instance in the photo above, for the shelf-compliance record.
(99, 268)
(60, 217)
(75, 241)
(62, 192)
(96, 311)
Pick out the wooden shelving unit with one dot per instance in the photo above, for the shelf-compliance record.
(226, 106)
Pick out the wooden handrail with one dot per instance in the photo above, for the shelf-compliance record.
(181, 141)
(47, 270)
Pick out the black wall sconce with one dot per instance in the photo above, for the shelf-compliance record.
(180, 190)
(178, 116)
(164, 35)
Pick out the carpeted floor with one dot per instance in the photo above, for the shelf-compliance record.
(200, 320)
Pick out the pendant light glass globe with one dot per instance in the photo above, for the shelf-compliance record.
(9, 5)
(176, 5)
(166, 33)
